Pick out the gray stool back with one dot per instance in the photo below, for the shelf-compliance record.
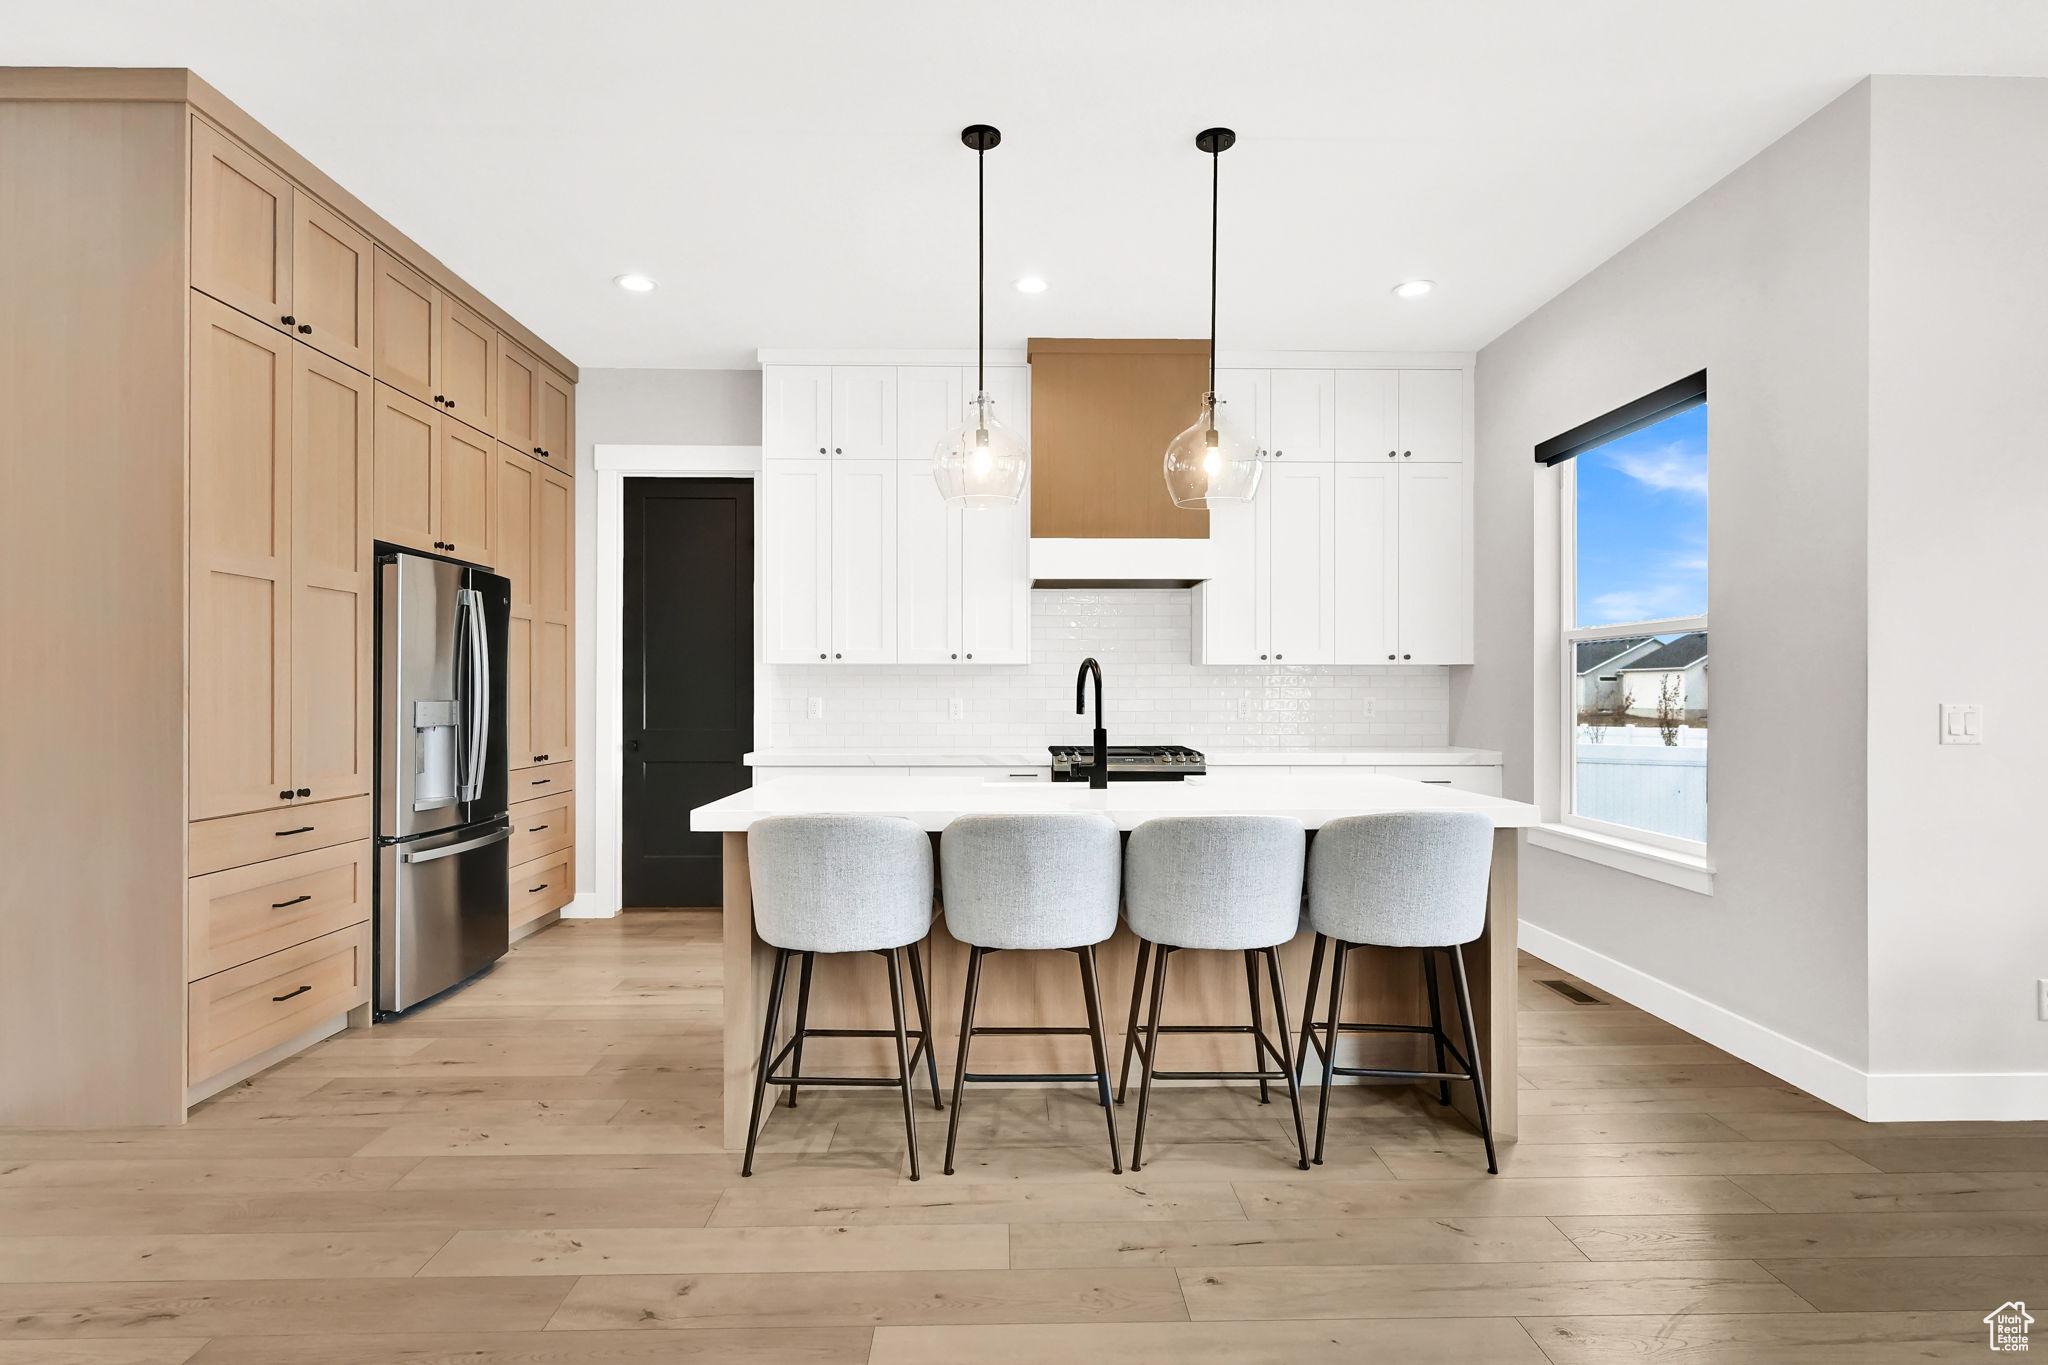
(1228, 882)
(1411, 879)
(1215, 881)
(1023, 882)
(841, 884)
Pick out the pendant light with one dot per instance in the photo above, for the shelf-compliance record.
(1212, 464)
(982, 464)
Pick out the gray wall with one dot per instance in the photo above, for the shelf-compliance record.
(1763, 282)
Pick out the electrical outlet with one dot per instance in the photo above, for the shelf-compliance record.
(1367, 707)
(956, 709)
(814, 708)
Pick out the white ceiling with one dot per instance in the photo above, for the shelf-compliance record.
(791, 172)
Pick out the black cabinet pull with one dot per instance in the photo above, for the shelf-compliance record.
(295, 900)
(302, 829)
(305, 791)
(535, 829)
(289, 994)
(285, 795)
(306, 328)
(540, 781)
(531, 889)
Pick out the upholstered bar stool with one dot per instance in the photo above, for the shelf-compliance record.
(841, 884)
(1032, 883)
(1228, 883)
(1415, 879)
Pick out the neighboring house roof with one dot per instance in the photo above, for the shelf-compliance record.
(1683, 652)
(1590, 654)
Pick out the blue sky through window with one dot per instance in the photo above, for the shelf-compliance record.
(1642, 524)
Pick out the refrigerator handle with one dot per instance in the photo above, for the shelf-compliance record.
(474, 667)
(432, 855)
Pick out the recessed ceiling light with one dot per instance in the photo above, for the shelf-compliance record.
(636, 283)
(1413, 289)
(1031, 284)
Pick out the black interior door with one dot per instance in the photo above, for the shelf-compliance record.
(689, 678)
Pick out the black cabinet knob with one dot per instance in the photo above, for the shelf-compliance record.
(821, 450)
(970, 656)
(1406, 453)
(439, 399)
(838, 656)
(1262, 658)
(451, 405)
(837, 451)
(953, 656)
(451, 547)
(1390, 455)
(538, 451)
(285, 795)
(821, 656)
(1407, 656)
(1278, 657)
(305, 791)
(288, 319)
(306, 328)
(1390, 656)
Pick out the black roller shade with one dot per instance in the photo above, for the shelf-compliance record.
(1651, 408)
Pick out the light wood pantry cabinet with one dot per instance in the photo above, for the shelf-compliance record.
(190, 763)
(536, 508)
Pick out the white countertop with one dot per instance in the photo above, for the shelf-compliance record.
(1036, 758)
(933, 802)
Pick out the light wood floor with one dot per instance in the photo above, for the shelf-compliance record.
(530, 1172)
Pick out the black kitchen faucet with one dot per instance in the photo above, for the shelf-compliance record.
(1098, 776)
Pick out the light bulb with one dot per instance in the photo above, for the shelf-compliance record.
(981, 463)
(1211, 464)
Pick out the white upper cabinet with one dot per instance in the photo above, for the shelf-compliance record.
(863, 412)
(1297, 524)
(927, 570)
(1433, 416)
(1368, 562)
(1436, 565)
(1368, 415)
(1230, 623)
(864, 561)
(929, 402)
(1245, 399)
(796, 411)
(1301, 415)
(796, 561)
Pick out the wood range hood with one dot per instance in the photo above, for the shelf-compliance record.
(1102, 414)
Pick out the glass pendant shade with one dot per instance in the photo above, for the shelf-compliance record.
(1211, 465)
(982, 464)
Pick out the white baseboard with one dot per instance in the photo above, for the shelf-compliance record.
(1813, 1071)
(1879, 1097)
(588, 906)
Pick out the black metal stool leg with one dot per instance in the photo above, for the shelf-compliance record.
(1251, 986)
(1123, 1081)
(1331, 1032)
(1308, 1007)
(1091, 988)
(929, 1041)
(1151, 1061)
(1472, 1055)
(967, 1001)
(773, 1017)
(803, 1013)
(895, 956)
(1436, 1023)
(1280, 1052)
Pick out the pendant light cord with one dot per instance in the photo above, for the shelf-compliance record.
(981, 270)
(1215, 194)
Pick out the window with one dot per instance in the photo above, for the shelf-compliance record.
(1635, 656)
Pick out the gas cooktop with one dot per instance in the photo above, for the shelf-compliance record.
(1128, 762)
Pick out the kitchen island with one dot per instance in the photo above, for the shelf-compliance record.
(1024, 989)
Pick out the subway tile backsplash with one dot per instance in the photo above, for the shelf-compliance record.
(1153, 693)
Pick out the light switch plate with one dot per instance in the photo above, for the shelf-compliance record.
(814, 708)
(1962, 723)
(956, 709)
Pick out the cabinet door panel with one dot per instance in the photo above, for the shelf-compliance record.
(468, 466)
(1432, 416)
(407, 460)
(864, 561)
(239, 669)
(332, 577)
(407, 314)
(469, 363)
(1368, 415)
(995, 583)
(1229, 621)
(333, 278)
(1299, 522)
(555, 416)
(1303, 421)
(928, 405)
(1435, 590)
(520, 749)
(863, 412)
(927, 573)
(796, 561)
(517, 492)
(241, 228)
(1245, 405)
(796, 412)
(554, 626)
(1367, 578)
(518, 397)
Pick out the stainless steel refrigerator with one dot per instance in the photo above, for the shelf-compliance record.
(442, 826)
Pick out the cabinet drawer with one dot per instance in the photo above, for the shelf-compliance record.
(233, 1015)
(234, 840)
(546, 780)
(542, 826)
(245, 913)
(1464, 777)
(535, 888)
